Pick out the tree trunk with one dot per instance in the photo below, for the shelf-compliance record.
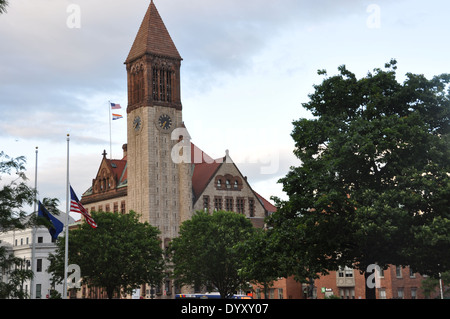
(110, 292)
(370, 292)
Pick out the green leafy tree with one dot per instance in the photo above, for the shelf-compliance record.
(431, 286)
(119, 255)
(17, 272)
(260, 263)
(14, 193)
(15, 196)
(373, 186)
(3, 5)
(206, 252)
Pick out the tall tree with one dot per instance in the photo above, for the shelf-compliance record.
(374, 185)
(206, 253)
(14, 193)
(3, 5)
(119, 255)
(260, 263)
(15, 196)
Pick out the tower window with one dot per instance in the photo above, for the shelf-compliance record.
(162, 84)
(137, 84)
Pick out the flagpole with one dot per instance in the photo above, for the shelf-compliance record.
(33, 241)
(110, 139)
(66, 253)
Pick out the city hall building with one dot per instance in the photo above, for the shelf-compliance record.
(162, 175)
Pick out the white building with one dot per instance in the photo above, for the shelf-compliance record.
(20, 243)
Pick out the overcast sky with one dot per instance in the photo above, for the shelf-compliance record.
(247, 68)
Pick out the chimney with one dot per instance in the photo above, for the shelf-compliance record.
(124, 148)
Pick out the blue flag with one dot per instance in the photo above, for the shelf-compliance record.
(56, 225)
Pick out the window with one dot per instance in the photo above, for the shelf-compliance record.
(122, 207)
(40, 240)
(280, 293)
(137, 88)
(227, 183)
(347, 293)
(206, 202)
(229, 204)
(39, 265)
(400, 293)
(167, 287)
(398, 271)
(217, 203)
(162, 84)
(271, 293)
(38, 291)
(413, 293)
(240, 204)
(345, 272)
(382, 293)
(219, 184)
(251, 207)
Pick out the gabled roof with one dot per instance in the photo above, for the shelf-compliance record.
(203, 173)
(153, 38)
(267, 205)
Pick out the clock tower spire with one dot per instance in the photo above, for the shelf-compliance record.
(153, 65)
(156, 184)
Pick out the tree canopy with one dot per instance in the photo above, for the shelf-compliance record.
(206, 251)
(119, 255)
(373, 185)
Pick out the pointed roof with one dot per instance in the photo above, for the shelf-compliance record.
(153, 38)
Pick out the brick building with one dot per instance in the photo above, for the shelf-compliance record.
(395, 282)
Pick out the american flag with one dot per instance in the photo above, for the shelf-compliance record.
(115, 106)
(76, 207)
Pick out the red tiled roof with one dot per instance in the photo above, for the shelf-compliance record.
(202, 176)
(119, 168)
(267, 205)
(153, 37)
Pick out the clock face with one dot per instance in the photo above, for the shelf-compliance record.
(137, 123)
(165, 122)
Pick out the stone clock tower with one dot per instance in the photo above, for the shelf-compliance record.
(158, 188)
